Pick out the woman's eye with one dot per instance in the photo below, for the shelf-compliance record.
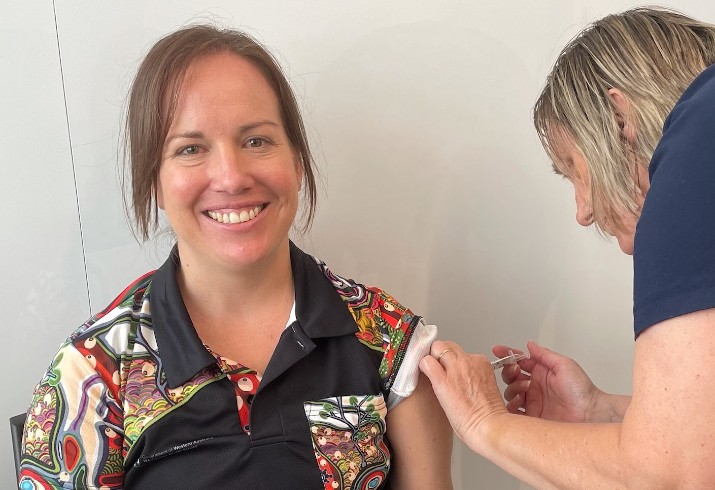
(256, 142)
(189, 150)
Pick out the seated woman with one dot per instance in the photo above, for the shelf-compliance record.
(242, 362)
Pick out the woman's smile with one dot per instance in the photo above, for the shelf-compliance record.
(235, 215)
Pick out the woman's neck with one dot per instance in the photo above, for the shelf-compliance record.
(241, 301)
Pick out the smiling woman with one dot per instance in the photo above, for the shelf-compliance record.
(241, 355)
(227, 154)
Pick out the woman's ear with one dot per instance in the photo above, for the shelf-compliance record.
(159, 195)
(623, 112)
(298, 169)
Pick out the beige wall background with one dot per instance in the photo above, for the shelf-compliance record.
(433, 182)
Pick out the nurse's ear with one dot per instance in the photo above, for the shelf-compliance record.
(624, 114)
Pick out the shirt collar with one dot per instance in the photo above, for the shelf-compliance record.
(180, 348)
(319, 310)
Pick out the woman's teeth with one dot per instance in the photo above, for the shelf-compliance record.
(236, 217)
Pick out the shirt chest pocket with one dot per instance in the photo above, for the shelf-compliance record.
(348, 434)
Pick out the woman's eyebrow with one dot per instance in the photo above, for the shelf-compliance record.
(188, 135)
(253, 125)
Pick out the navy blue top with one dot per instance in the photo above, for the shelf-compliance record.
(674, 250)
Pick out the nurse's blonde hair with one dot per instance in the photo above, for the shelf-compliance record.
(651, 55)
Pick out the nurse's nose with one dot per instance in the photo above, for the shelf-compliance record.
(584, 213)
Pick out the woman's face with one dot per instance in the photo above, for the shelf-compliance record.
(229, 179)
(624, 229)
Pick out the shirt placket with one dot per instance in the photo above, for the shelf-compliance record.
(245, 383)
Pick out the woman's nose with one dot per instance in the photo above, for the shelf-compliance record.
(231, 171)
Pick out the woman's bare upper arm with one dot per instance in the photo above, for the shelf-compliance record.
(421, 439)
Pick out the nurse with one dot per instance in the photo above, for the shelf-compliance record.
(628, 117)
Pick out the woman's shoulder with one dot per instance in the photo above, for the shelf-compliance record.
(383, 323)
(371, 304)
(127, 308)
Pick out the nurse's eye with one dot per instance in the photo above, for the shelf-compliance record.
(189, 150)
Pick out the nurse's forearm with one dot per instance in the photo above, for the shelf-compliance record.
(549, 454)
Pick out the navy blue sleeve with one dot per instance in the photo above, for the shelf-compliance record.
(674, 251)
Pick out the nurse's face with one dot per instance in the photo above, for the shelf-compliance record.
(575, 167)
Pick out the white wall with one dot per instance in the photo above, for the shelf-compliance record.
(435, 186)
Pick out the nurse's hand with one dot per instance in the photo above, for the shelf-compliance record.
(465, 386)
(554, 387)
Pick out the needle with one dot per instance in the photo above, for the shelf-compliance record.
(510, 359)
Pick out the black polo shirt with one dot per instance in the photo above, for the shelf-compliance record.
(156, 410)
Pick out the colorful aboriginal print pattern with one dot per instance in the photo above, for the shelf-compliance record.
(104, 387)
(107, 385)
(383, 323)
(245, 382)
(348, 440)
